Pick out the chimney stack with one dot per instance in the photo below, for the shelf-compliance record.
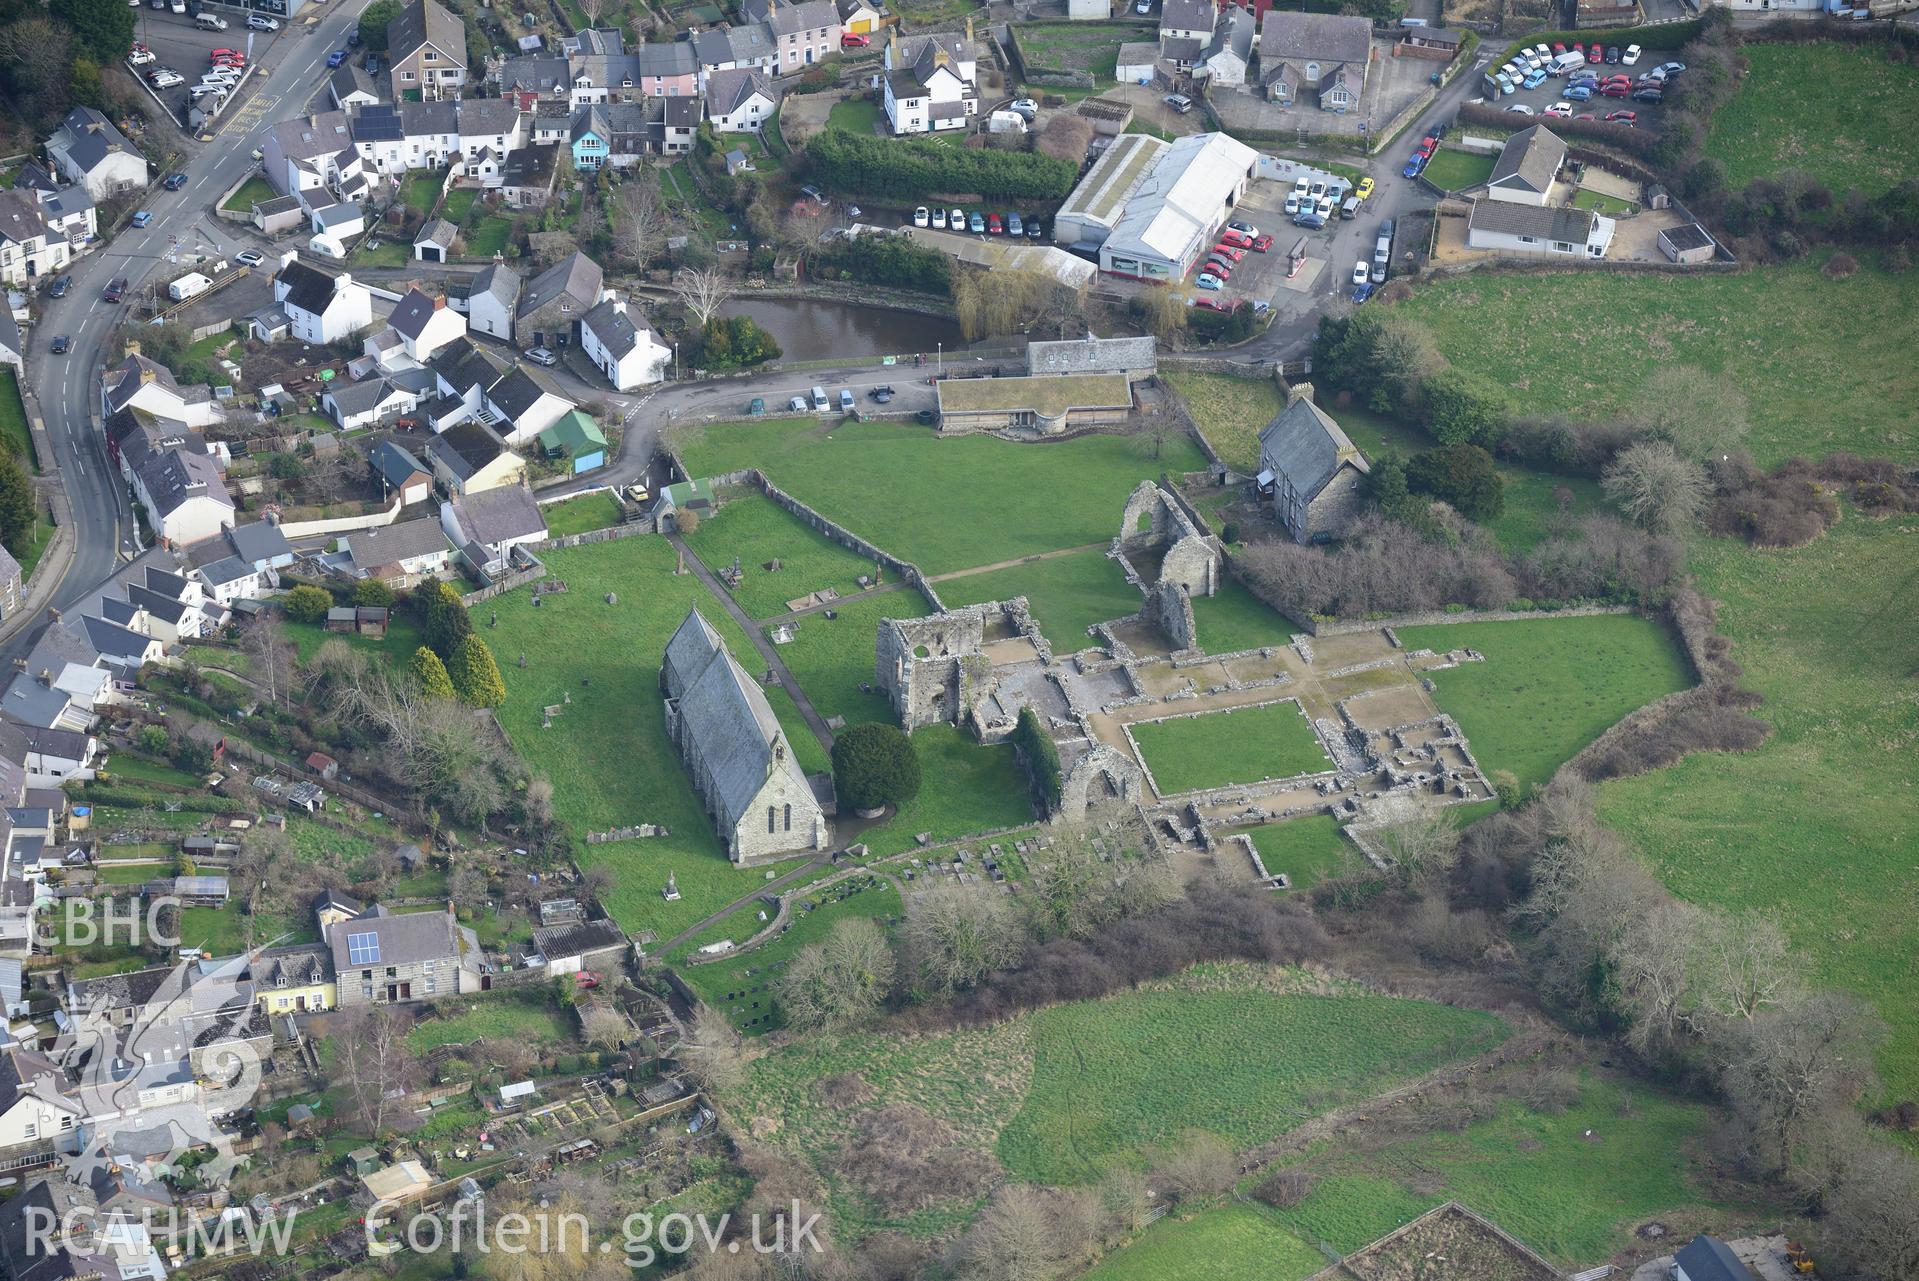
(1296, 392)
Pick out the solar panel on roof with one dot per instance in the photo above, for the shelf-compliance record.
(363, 949)
(378, 124)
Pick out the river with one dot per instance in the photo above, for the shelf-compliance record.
(818, 329)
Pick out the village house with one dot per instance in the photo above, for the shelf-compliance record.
(35, 1105)
(381, 958)
(184, 495)
(321, 306)
(367, 402)
(401, 473)
(1185, 30)
(69, 210)
(747, 47)
(1527, 167)
(549, 308)
(409, 549)
(425, 323)
(522, 405)
(650, 71)
(311, 153)
(491, 302)
(1317, 59)
(470, 458)
(1311, 473)
(148, 387)
(29, 247)
(427, 46)
(928, 84)
(734, 749)
(738, 101)
(627, 353)
(1224, 60)
(803, 33)
(619, 134)
(89, 150)
(486, 527)
(527, 178)
(351, 87)
(1505, 227)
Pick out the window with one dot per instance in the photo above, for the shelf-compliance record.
(789, 818)
(1528, 240)
(770, 829)
(432, 56)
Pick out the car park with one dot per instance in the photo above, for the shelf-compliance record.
(60, 344)
(1631, 56)
(335, 58)
(260, 22)
(541, 356)
(1014, 225)
(923, 217)
(976, 223)
(249, 258)
(1208, 281)
(143, 219)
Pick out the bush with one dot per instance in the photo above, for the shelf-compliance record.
(430, 673)
(875, 766)
(886, 168)
(443, 616)
(308, 604)
(1465, 408)
(475, 676)
(731, 342)
(373, 593)
(897, 261)
(1463, 475)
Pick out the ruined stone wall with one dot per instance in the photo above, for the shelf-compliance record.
(1169, 608)
(918, 663)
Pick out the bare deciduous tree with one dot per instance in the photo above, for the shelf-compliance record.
(1702, 415)
(840, 981)
(374, 1059)
(1746, 965)
(1655, 960)
(591, 11)
(1014, 1240)
(1151, 429)
(271, 665)
(955, 935)
(1198, 1167)
(1425, 846)
(40, 52)
(1795, 1062)
(639, 222)
(1656, 487)
(467, 888)
(712, 1052)
(702, 291)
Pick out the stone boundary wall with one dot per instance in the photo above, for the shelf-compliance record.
(611, 533)
(1432, 618)
(344, 525)
(1210, 793)
(503, 586)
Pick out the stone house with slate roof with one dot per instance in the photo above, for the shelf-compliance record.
(1312, 474)
(734, 749)
(550, 306)
(381, 958)
(1322, 58)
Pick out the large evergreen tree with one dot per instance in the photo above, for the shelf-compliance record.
(102, 29)
(444, 616)
(431, 673)
(475, 675)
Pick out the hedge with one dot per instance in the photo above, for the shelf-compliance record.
(885, 168)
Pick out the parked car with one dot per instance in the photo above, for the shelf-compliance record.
(1576, 93)
(1413, 166)
(143, 219)
(1033, 230)
(757, 407)
(1362, 292)
(939, 219)
(1025, 106)
(372, 64)
(923, 217)
(1207, 280)
(1596, 54)
(1229, 253)
(60, 344)
(1178, 102)
(1427, 146)
(1244, 229)
(1533, 80)
(1261, 244)
(1292, 203)
(1237, 239)
(1622, 117)
(200, 91)
(1365, 189)
(1014, 227)
(797, 405)
(541, 356)
(1361, 270)
(335, 58)
(353, 38)
(1672, 68)
(1218, 267)
(1210, 304)
(1560, 110)
(976, 224)
(854, 40)
(1310, 220)
(881, 395)
(1379, 272)
(260, 22)
(165, 78)
(59, 287)
(1631, 56)
(1612, 54)
(1317, 190)
(1615, 90)
(994, 227)
(1521, 109)
(139, 58)
(957, 220)
(176, 182)
(249, 258)
(1648, 95)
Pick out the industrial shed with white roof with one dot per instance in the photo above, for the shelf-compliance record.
(1176, 203)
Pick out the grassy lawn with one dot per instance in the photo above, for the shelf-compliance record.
(1072, 46)
(1782, 118)
(1233, 619)
(419, 189)
(14, 432)
(29, 556)
(1231, 411)
(831, 656)
(1511, 328)
(1214, 749)
(685, 196)
(855, 115)
(1238, 1242)
(1611, 206)
(530, 1019)
(994, 500)
(125, 765)
(1824, 632)
(459, 203)
(251, 192)
(1457, 170)
(581, 515)
(390, 252)
(220, 930)
(738, 986)
(758, 530)
(1549, 686)
(488, 236)
(403, 636)
(1308, 849)
(1574, 1199)
(1534, 504)
(965, 787)
(1068, 594)
(607, 752)
(1062, 1094)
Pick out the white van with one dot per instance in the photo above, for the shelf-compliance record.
(210, 22)
(820, 404)
(846, 401)
(1567, 62)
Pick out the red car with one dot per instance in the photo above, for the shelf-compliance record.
(1623, 117)
(586, 980)
(1559, 47)
(1228, 252)
(1211, 304)
(1237, 239)
(1261, 244)
(1219, 267)
(1428, 145)
(1578, 48)
(994, 227)
(1596, 54)
(854, 40)
(225, 53)
(1615, 90)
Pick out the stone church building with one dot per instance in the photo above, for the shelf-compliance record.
(737, 755)
(1309, 471)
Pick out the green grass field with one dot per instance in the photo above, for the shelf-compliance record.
(831, 656)
(1818, 824)
(1458, 170)
(1230, 411)
(1549, 686)
(251, 192)
(403, 636)
(990, 500)
(607, 752)
(1062, 1094)
(965, 787)
(1783, 117)
(530, 1019)
(1234, 619)
(1239, 1242)
(1574, 1199)
(1865, 399)
(1308, 850)
(1067, 594)
(581, 515)
(758, 530)
(739, 986)
(1272, 740)
(855, 115)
